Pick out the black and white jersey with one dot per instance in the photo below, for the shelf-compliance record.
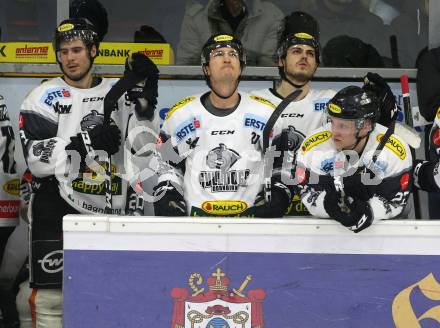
(386, 186)
(55, 111)
(218, 161)
(9, 180)
(299, 119)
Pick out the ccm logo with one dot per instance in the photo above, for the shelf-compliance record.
(222, 132)
(52, 262)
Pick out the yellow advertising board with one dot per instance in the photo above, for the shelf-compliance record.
(109, 52)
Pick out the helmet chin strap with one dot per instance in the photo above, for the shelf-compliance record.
(282, 72)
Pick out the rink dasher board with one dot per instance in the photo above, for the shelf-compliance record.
(238, 235)
(144, 271)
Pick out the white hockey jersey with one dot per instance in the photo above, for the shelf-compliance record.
(9, 180)
(299, 119)
(221, 166)
(55, 111)
(318, 161)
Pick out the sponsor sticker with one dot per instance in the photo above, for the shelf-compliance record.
(51, 95)
(315, 140)
(178, 105)
(12, 187)
(223, 37)
(9, 209)
(303, 35)
(263, 101)
(404, 181)
(395, 145)
(224, 207)
(334, 108)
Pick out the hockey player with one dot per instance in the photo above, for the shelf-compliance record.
(341, 171)
(61, 128)
(9, 207)
(298, 59)
(211, 145)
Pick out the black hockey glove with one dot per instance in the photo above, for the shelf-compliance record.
(101, 137)
(278, 205)
(145, 93)
(352, 213)
(426, 175)
(169, 201)
(387, 103)
(355, 187)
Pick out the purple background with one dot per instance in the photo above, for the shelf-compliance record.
(132, 289)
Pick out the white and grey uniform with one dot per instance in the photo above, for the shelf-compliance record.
(54, 112)
(220, 166)
(387, 195)
(9, 180)
(299, 119)
(50, 115)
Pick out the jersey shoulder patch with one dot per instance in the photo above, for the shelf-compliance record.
(395, 145)
(314, 140)
(263, 101)
(178, 105)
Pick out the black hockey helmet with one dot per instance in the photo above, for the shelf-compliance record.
(298, 28)
(76, 28)
(354, 103)
(94, 12)
(219, 41)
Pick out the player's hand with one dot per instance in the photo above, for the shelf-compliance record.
(168, 201)
(145, 93)
(101, 137)
(142, 66)
(352, 213)
(278, 205)
(387, 103)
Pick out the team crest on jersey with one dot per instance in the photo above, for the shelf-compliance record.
(294, 138)
(395, 145)
(315, 140)
(263, 101)
(91, 120)
(51, 95)
(218, 306)
(178, 105)
(221, 158)
(222, 178)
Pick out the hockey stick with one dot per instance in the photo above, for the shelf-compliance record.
(124, 84)
(266, 135)
(409, 120)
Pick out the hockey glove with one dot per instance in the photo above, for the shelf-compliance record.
(145, 93)
(426, 175)
(352, 213)
(387, 103)
(355, 187)
(101, 137)
(168, 201)
(278, 205)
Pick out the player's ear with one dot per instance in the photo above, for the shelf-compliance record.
(93, 51)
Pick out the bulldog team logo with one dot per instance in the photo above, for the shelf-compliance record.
(221, 158)
(222, 178)
(91, 120)
(217, 307)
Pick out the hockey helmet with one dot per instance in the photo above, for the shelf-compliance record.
(219, 41)
(354, 103)
(299, 28)
(76, 28)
